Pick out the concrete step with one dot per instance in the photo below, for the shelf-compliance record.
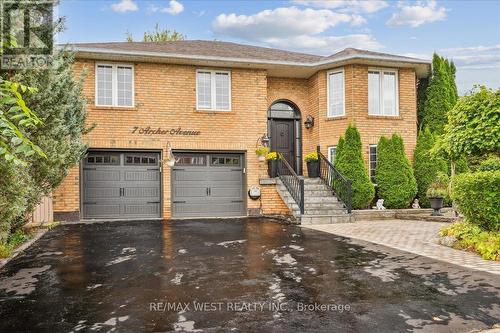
(317, 193)
(315, 187)
(311, 190)
(313, 200)
(308, 181)
(325, 219)
(330, 199)
(317, 206)
(339, 211)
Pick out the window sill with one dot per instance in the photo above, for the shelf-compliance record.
(336, 118)
(373, 116)
(121, 108)
(212, 111)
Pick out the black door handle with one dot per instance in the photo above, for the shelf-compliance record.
(210, 191)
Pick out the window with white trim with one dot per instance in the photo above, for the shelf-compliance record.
(383, 92)
(336, 93)
(114, 85)
(372, 160)
(213, 90)
(332, 151)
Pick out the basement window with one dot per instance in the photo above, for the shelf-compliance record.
(332, 151)
(114, 85)
(372, 155)
(213, 90)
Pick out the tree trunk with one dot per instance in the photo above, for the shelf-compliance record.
(453, 171)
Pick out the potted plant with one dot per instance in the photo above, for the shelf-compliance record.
(272, 164)
(262, 152)
(312, 165)
(436, 193)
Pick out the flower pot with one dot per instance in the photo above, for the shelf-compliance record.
(436, 204)
(272, 168)
(313, 169)
(262, 158)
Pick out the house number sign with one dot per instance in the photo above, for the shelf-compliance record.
(163, 131)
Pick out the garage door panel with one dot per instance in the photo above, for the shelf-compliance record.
(142, 192)
(190, 192)
(232, 193)
(224, 175)
(210, 190)
(142, 210)
(141, 176)
(119, 185)
(189, 176)
(101, 192)
(190, 210)
(101, 210)
(101, 175)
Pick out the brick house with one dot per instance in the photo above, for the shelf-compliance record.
(211, 104)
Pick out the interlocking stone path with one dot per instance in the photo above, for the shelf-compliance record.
(416, 237)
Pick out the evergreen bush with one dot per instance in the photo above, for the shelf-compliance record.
(477, 197)
(349, 161)
(394, 175)
(425, 165)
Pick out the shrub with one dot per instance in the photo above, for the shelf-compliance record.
(439, 187)
(492, 163)
(311, 157)
(477, 197)
(350, 163)
(15, 185)
(425, 165)
(440, 95)
(14, 240)
(394, 175)
(471, 237)
(272, 156)
(262, 151)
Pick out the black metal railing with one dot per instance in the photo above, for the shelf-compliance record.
(293, 183)
(338, 183)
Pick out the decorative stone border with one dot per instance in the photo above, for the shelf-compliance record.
(423, 214)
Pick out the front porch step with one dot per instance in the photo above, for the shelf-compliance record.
(321, 206)
(318, 206)
(325, 219)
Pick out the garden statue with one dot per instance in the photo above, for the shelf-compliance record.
(380, 205)
(415, 204)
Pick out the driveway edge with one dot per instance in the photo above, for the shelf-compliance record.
(23, 247)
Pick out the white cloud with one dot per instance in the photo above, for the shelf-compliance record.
(174, 8)
(280, 22)
(325, 45)
(354, 6)
(479, 48)
(124, 6)
(294, 29)
(418, 14)
(475, 64)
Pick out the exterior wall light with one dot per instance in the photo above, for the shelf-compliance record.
(309, 122)
(264, 140)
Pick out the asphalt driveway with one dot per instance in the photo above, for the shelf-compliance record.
(239, 275)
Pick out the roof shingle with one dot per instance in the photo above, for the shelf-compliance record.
(208, 49)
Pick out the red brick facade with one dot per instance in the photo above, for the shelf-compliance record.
(165, 94)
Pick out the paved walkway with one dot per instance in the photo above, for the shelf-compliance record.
(416, 237)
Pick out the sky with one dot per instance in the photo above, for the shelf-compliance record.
(468, 32)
